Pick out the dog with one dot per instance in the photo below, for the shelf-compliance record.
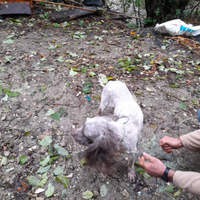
(106, 135)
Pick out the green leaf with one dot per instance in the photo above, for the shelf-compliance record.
(43, 181)
(183, 99)
(62, 179)
(182, 106)
(142, 171)
(174, 85)
(56, 25)
(33, 180)
(96, 97)
(72, 54)
(59, 170)
(61, 150)
(49, 192)
(92, 74)
(4, 161)
(8, 41)
(138, 92)
(22, 159)
(52, 158)
(45, 161)
(161, 189)
(148, 89)
(72, 72)
(46, 140)
(135, 98)
(86, 87)
(56, 116)
(87, 194)
(194, 101)
(83, 161)
(10, 93)
(5, 98)
(43, 169)
(151, 143)
(64, 192)
(83, 70)
(42, 88)
(50, 150)
(50, 112)
(103, 191)
(169, 188)
(104, 79)
(60, 59)
(145, 79)
(63, 112)
(109, 77)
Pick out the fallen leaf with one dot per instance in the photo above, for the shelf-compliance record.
(22, 159)
(62, 179)
(103, 191)
(49, 192)
(33, 180)
(46, 140)
(43, 169)
(61, 150)
(23, 184)
(87, 194)
(86, 87)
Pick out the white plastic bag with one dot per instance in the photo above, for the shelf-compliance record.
(177, 27)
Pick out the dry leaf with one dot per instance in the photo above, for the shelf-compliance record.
(23, 184)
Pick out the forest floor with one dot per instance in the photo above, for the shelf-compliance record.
(49, 84)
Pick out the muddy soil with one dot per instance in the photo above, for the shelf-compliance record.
(43, 67)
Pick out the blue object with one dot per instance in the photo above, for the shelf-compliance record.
(185, 28)
(198, 115)
(87, 97)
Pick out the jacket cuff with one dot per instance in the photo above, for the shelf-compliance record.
(184, 141)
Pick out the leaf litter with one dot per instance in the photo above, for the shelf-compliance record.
(169, 72)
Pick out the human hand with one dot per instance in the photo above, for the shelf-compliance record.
(170, 143)
(154, 167)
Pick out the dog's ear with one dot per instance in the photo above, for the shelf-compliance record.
(102, 151)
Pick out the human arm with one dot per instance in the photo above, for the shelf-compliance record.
(170, 143)
(190, 141)
(189, 181)
(154, 167)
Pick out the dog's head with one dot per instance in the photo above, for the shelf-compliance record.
(100, 135)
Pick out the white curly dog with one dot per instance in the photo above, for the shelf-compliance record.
(106, 135)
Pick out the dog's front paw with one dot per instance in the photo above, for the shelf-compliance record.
(132, 176)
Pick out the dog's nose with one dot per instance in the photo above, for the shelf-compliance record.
(73, 132)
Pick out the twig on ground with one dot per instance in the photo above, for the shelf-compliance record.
(172, 95)
(185, 120)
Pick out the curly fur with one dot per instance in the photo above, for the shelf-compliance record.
(105, 135)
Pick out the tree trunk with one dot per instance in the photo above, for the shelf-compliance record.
(164, 10)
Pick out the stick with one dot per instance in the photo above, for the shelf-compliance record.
(61, 4)
(185, 120)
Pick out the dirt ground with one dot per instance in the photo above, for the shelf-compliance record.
(43, 67)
